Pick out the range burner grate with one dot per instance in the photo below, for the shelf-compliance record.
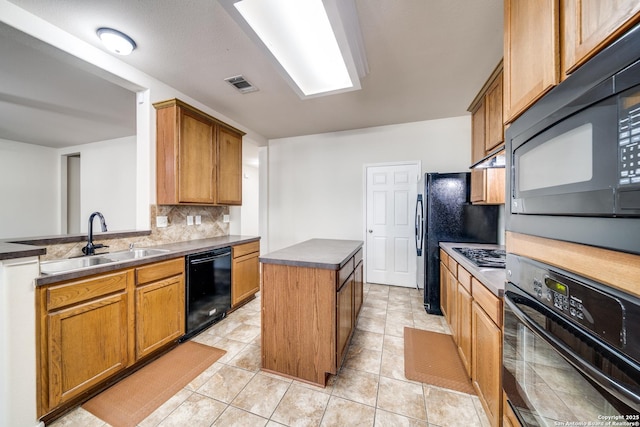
(484, 257)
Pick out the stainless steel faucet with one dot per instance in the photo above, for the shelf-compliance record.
(90, 249)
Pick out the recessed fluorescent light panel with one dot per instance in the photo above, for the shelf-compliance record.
(312, 41)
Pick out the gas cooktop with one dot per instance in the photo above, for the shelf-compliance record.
(484, 257)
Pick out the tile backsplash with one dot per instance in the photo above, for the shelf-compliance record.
(177, 230)
(213, 224)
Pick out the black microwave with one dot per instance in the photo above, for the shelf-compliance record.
(573, 158)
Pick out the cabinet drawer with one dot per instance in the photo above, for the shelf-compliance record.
(490, 303)
(159, 270)
(464, 278)
(357, 257)
(83, 290)
(453, 267)
(246, 248)
(344, 273)
(444, 258)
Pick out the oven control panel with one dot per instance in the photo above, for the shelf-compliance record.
(576, 299)
(550, 291)
(629, 138)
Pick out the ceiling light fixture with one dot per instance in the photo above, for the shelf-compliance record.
(316, 44)
(116, 41)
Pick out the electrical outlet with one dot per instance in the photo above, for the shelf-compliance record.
(225, 218)
(198, 219)
(189, 219)
(162, 221)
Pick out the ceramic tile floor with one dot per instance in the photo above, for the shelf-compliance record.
(369, 390)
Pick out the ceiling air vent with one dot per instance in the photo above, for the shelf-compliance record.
(240, 83)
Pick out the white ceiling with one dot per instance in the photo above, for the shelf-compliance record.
(427, 60)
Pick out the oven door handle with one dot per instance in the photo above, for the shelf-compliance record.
(615, 388)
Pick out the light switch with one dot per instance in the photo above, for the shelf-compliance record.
(198, 219)
(189, 219)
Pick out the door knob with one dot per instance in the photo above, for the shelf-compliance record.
(370, 231)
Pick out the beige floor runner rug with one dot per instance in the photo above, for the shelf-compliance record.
(432, 358)
(131, 400)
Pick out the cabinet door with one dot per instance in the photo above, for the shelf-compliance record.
(160, 317)
(478, 185)
(245, 277)
(444, 287)
(452, 299)
(530, 52)
(478, 124)
(464, 327)
(344, 321)
(486, 354)
(588, 25)
(196, 159)
(488, 186)
(494, 128)
(358, 293)
(87, 344)
(229, 167)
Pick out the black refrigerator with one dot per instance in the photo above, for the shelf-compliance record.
(444, 213)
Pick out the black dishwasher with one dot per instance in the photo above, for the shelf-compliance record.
(208, 289)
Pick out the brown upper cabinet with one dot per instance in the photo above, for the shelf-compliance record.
(546, 40)
(494, 136)
(589, 25)
(530, 52)
(199, 158)
(487, 130)
(487, 136)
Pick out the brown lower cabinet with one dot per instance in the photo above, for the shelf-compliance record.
(160, 305)
(465, 342)
(486, 350)
(90, 329)
(474, 315)
(85, 336)
(308, 317)
(245, 272)
(509, 418)
(345, 316)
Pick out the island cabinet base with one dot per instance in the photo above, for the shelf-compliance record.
(309, 312)
(298, 318)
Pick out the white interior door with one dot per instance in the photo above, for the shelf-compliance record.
(390, 242)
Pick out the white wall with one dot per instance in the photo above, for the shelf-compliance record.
(29, 190)
(316, 182)
(108, 176)
(250, 201)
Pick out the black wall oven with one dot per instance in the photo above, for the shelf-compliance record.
(573, 158)
(571, 350)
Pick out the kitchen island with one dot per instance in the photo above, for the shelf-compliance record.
(311, 298)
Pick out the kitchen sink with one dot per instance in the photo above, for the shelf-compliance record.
(136, 253)
(64, 265)
(71, 264)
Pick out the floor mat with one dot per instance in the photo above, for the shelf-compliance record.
(132, 399)
(432, 358)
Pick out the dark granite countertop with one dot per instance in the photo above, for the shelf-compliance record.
(492, 278)
(19, 250)
(177, 249)
(327, 254)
